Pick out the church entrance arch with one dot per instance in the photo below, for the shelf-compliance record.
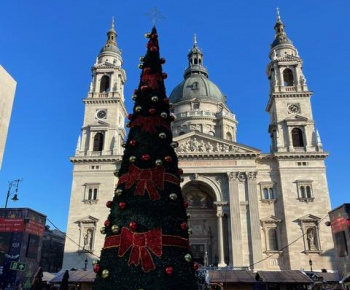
(203, 221)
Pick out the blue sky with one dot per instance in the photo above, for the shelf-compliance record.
(49, 47)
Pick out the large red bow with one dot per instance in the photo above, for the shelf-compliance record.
(147, 179)
(152, 80)
(150, 123)
(142, 245)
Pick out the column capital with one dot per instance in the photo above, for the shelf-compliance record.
(220, 204)
(251, 175)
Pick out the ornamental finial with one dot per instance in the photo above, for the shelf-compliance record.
(194, 40)
(278, 14)
(112, 24)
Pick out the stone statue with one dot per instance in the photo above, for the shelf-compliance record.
(311, 239)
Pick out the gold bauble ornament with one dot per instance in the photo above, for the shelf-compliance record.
(115, 229)
(133, 97)
(188, 216)
(105, 273)
(148, 35)
(116, 173)
(142, 58)
(103, 230)
(163, 115)
(95, 262)
(140, 65)
(173, 196)
(159, 162)
(189, 231)
(118, 192)
(188, 258)
(162, 135)
(154, 99)
(174, 144)
(132, 159)
(138, 109)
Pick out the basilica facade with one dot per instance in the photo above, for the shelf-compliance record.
(249, 209)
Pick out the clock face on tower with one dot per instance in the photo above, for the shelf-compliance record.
(293, 108)
(101, 114)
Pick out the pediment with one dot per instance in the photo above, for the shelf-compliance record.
(271, 219)
(87, 219)
(296, 118)
(309, 217)
(199, 143)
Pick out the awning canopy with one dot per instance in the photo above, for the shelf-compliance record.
(231, 276)
(288, 276)
(78, 276)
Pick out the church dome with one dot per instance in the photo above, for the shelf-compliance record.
(196, 86)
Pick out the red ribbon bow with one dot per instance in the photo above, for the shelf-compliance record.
(152, 80)
(150, 123)
(147, 180)
(142, 245)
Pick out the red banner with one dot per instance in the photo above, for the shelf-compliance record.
(35, 228)
(11, 225)
(339, 224)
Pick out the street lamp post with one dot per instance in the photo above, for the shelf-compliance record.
(13, 189)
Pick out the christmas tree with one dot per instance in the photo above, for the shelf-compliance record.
(146, 244)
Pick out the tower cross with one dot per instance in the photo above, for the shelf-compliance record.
(155, 15)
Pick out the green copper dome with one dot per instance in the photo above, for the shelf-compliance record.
(196, 84)
(196, 87)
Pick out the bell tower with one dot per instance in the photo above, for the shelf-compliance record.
(97, 156)
(292, 127)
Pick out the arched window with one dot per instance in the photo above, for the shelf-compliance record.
(195, 61)
(98, 142)
(302, 191)
(104, 85)
(297, 138)
(229, 136)
(271, 194)
(265, 193)
(288, 77)
(308, 192)
(272, 237)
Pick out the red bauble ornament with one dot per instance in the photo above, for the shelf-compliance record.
(122, 205)
(143, 88)
(185, 204)
(107, 223)
(154, 36)
(183, 226)
(109, 204)
(135, 91)
(130, 116)
(169, 270)
(166, 100)
(195, 266)
(164, 76)
(162, 60)
(146, 70)
(96, 268)
(181, 171)
(167, 158)
(152, 111)
(154, 49)
(133, 142)
(133, 225)
(146, 157)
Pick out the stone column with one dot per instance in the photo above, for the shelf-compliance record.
(236, 230)
(221, 245)
(254, 219)
(290, 139)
